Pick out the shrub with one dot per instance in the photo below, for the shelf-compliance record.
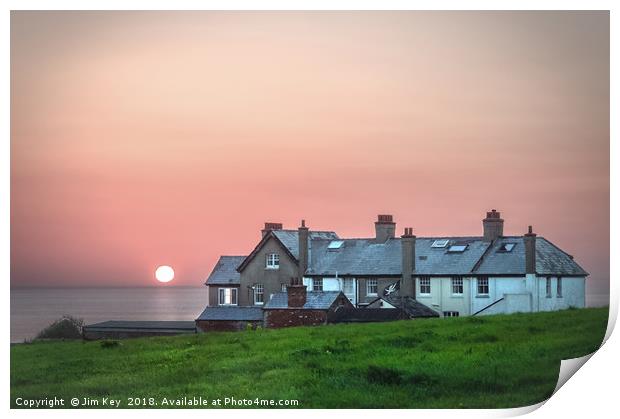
(67, 327)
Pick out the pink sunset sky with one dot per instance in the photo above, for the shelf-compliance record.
(148, 138)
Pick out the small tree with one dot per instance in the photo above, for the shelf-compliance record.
(67, 327)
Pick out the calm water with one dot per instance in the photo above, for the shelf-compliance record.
(33, 309)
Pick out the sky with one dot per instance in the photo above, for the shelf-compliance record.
(147, 138)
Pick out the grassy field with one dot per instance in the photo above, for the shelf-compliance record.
(481, 362)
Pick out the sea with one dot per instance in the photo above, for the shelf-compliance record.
(32, 309)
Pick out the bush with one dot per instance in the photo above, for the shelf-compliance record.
(67, 327)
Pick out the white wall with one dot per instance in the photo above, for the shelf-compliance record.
(573, 293)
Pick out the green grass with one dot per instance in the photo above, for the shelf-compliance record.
(472, 362)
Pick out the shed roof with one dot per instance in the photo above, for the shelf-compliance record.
(231, 313)
(315, 300)
(142, 325)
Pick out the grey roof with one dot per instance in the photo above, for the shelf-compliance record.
(225, 271)
(550, 260)
(359, 257)
(315, 300)
(231, 313)
(412, 307)
(290, 239)
(366, 257)
(142, 325)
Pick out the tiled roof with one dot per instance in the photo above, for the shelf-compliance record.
(315, 300)
(360, 257)
(290, 239)
(225, 271)
(231, 313)
(412, 307)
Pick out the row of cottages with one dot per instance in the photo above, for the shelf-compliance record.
(314, 277)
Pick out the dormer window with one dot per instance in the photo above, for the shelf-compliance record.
(273, 261)
(440, 243)
(457, 248)
(506, 247)
(335, 244)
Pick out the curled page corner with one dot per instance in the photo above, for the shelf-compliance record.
(568, 367)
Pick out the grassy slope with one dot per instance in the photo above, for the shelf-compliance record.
(497, 361)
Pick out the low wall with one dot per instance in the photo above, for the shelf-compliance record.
(294, 317)
(226, 325)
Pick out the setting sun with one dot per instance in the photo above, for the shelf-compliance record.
(164, 273)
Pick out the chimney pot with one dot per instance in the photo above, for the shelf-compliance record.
(385, 228)
(492, 226)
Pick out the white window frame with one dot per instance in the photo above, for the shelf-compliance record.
(559, 287)
(230, 291)
(482, 282)
(451, 314)
(457, 281)
(272, 261)
(425, 281)
(259, 289)
(372, 283)
(283, 287)
(440, 243)
(317, 284)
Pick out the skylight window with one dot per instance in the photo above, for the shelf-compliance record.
(440, 243)
(457, 248)
(507, 247)
(335, 244)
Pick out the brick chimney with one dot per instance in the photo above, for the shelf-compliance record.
(407, 244)
(529, 240)
(271, 226)
(303, 251)
(385, 228)
(493, 226)
(296, 293)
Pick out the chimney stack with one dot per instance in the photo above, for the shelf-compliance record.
(271, 226)
(493, 226)
(529, 240)
(303, 251)
(385, 228)
(296, 293)
(407, 243)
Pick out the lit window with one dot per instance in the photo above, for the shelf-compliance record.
(440, 243)
(506, 247)
(548, 287)
(335, 244)
(259, 294)
(457, 285)
(483, 286)
(450, 313)
(559, 291)
(227, 296)
(273, 261)
(317, 284)
(371, 287)
(425, 285)
(457, 248)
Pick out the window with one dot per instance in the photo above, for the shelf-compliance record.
(425, 285)
(457, 248)
(559, 291)
(483, 286)
(371, 287)
(506, 247)
(273, 261)
(347, 286)
(450, 313)
(335, 244)
(440, 243)
(259, 294)
(227, 296)
(283, 286)
(317, 284)
(548, 287)
(457, 285)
